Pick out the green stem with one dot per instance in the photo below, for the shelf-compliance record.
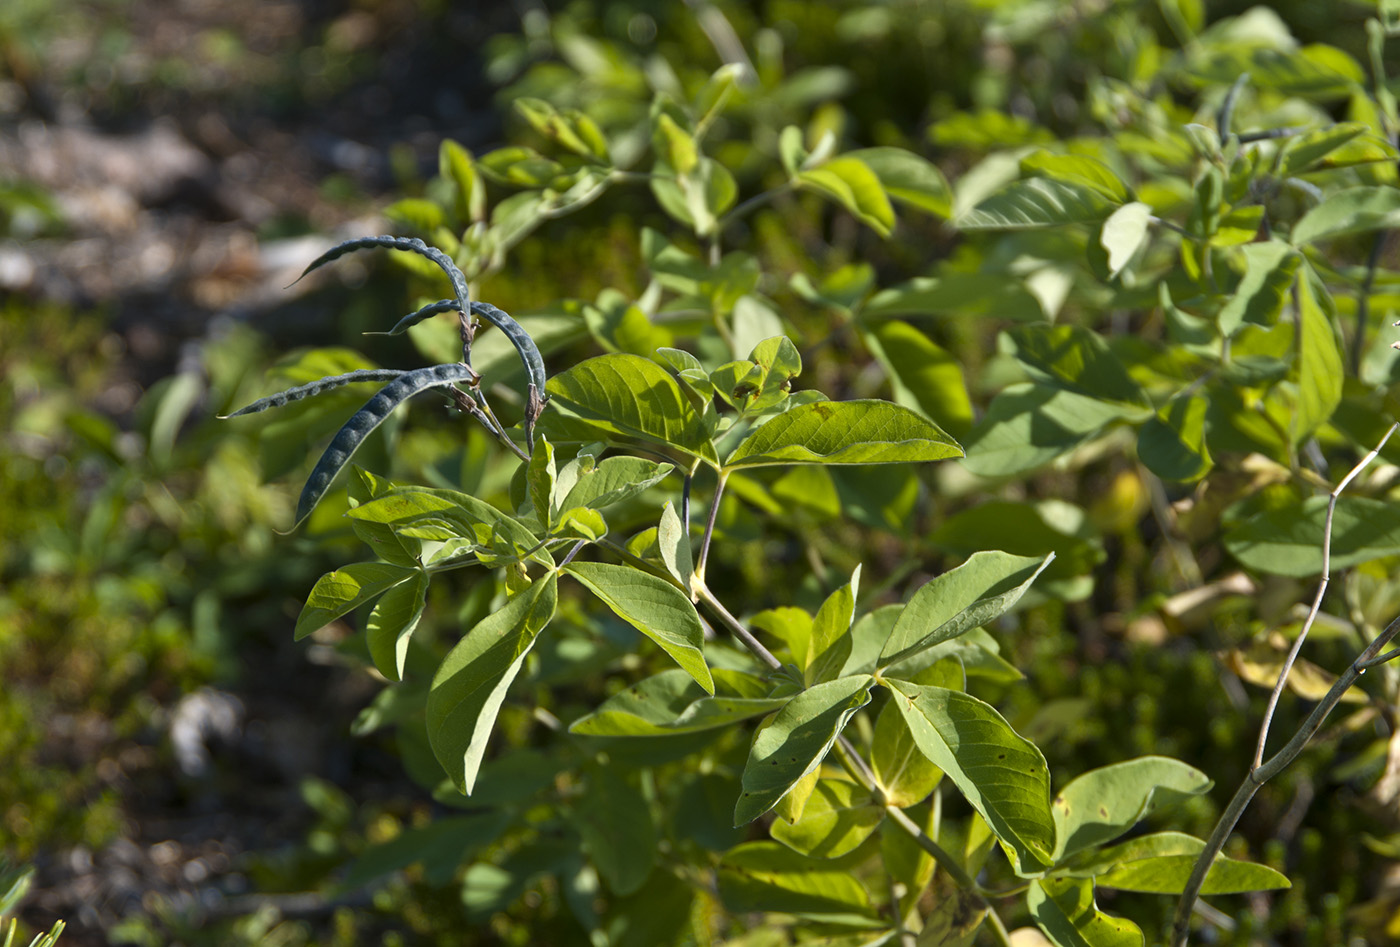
(710, 526)
(735, 626)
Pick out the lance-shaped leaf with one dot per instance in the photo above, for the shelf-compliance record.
(584, 483)
(671, 703)
(1353, 210)
(1038, 202)
(392, 623)
(315, 388)
(794, 743)
(984, 587)
(1122, 233)
(903, 772)
(829, 644)
(1001, 774)
(618, 833)
(1162, 863)
(457, 514)
(1076, 359)
(633, 397)
(1106, 802)
(540, 476)
(1065, 910)
(1288, 541)
(654, 607)
(346, 589)
(766, 876)
(1319, 363)
(1302, 153)
(353, 434)
(851, 183)
(922, 374)
(845, 432)
(674, 544)
(472, 681)
(1028, 425)
(839, 815)
(908, 178)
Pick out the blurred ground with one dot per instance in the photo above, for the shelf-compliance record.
(185, 159)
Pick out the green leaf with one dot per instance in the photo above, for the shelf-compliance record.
(1319, 363)
(456, 165)
(1172, 444)
(362, 487)
(1037, 202)
(845, 432)
(654, 607)
(1076, 359)
(1025, 529)
(1077, 169)
(674, 542)
(984, 587)
(1104, 803)
(1028, 426)
(614, 480)
(1315, 71)
(581, 522)
(1162, 864)
(923, 375)
(851, 183)
(838, 817)
(472, 680)
(1123, 233)
(1001, 774)
(1065, 910)
(392, 623)
(615, 822)
(499, 535)
(672, 703)
(909, 178)
(1260, 295)
(346, 589)
(441, 847)
(1288, 541)
(1352, 210)
(956, 294)
(829, 645)
(794, 743)
(1302, 153)
(769, 877)
(634, 397)
(540, 476)
(902, 771)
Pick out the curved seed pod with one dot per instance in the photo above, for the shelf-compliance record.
(413, 318)
(349, 437)
(389, 242)
(315, 388)
(524, 344)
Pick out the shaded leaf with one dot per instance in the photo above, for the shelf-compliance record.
(671, 703)
(1028, 426)
(1319, 362)
(829, 645)
(472, 680)
(1352, 210)
(794, 743)
(767, 876)
(615, 821)
(908, 178)
(1288, 541)
(392, 623)
(1104, 803)
(440, 847)
(1065, 910)
(838, 817)
(1172, 444)
(1076, 359)
(923, 375)
(1037, 202)
(903, 772)
(1260, 295)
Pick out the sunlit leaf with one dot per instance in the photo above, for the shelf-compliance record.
(845, 432)
(1037, 202)
(1353, 210)
(1104, 803)
(838, 817)
(1065, 910)
(346, 589)
(1320, 371)
(767, 876)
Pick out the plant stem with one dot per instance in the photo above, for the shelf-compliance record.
(1317, 599)
(710, 526)
(1363, 303)
(735, 626)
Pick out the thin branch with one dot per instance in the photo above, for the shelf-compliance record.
(710, 526)
(1317, 599)
(735, 626)
(1271, 133)
(1227, 107)
(1363, 303)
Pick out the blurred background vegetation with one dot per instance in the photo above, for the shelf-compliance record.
(172, 765)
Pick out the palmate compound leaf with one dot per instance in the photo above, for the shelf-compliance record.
(1065, 910)
(795, 742)
(654, 607)
(472, 680)
(1161, 863)
(984, 587)
(631, 396)
(845, 432)
(1104, 803)
(349, 438)
(1002, 775)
